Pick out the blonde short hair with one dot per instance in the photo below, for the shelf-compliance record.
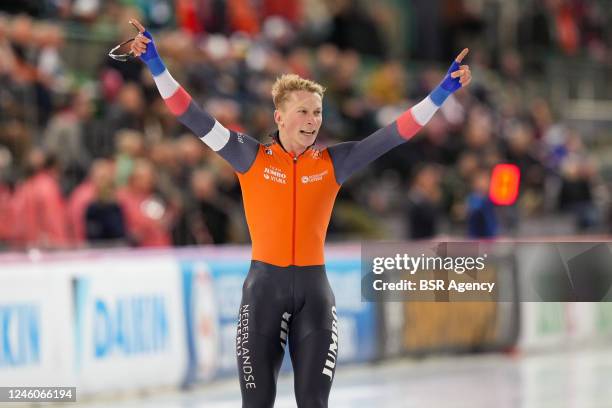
(288, 83)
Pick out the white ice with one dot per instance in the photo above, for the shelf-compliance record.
(568, 379)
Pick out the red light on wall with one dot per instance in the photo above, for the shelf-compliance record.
(504, 186)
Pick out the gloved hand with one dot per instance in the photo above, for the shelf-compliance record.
(144, 47)
(458, 76)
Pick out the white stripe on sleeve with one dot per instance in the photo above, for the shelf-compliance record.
(424, 110)
(166, 84)
(217, 137)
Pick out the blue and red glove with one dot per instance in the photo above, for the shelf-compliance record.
(448, 85)
(151, 57)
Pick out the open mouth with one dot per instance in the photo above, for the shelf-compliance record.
(311, 133)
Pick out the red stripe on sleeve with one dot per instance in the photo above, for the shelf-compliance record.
(407, 126)
(178, 102)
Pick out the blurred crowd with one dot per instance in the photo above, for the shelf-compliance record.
(97, 159)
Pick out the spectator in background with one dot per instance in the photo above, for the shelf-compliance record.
(16, 137)
(576, 194)
(289, 10)
(457, 186)
(104, 221)
(217, 16)
(83, 195)
(206, 220)
(523, 150)
(478, 132)
(437, 145)
(28, 82)
(50, 40)
(6, 214)
(541, 118)
(243, 16)
(353, 29)
(423, 201)
(461, 19)
(22, 40)
(227, 113)
(130, 147)
(189, 155)
(127, 113)
(354, 110)
(427, 42)
(164, 156)
(39, 206)
(387, 84)
(147, 216)
(6, 53)
(481, 217)
(86, 10)
(6, 195)
(65, 137)
(536, 31)
(226, 178)
(159, 13)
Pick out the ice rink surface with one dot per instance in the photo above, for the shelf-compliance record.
(568, 379)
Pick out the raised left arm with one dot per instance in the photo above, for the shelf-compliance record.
(350, 157)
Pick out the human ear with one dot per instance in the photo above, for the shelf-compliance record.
(278, 117)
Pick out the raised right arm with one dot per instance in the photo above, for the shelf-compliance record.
(238, 149)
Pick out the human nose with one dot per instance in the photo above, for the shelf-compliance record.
(313, 119)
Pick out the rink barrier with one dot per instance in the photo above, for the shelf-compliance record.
(553, 325)
(36, 345)
(103, 322)
(423, 328)
(556, 325)
(128, 324)
(120, 320)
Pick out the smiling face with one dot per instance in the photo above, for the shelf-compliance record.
(299, 119)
